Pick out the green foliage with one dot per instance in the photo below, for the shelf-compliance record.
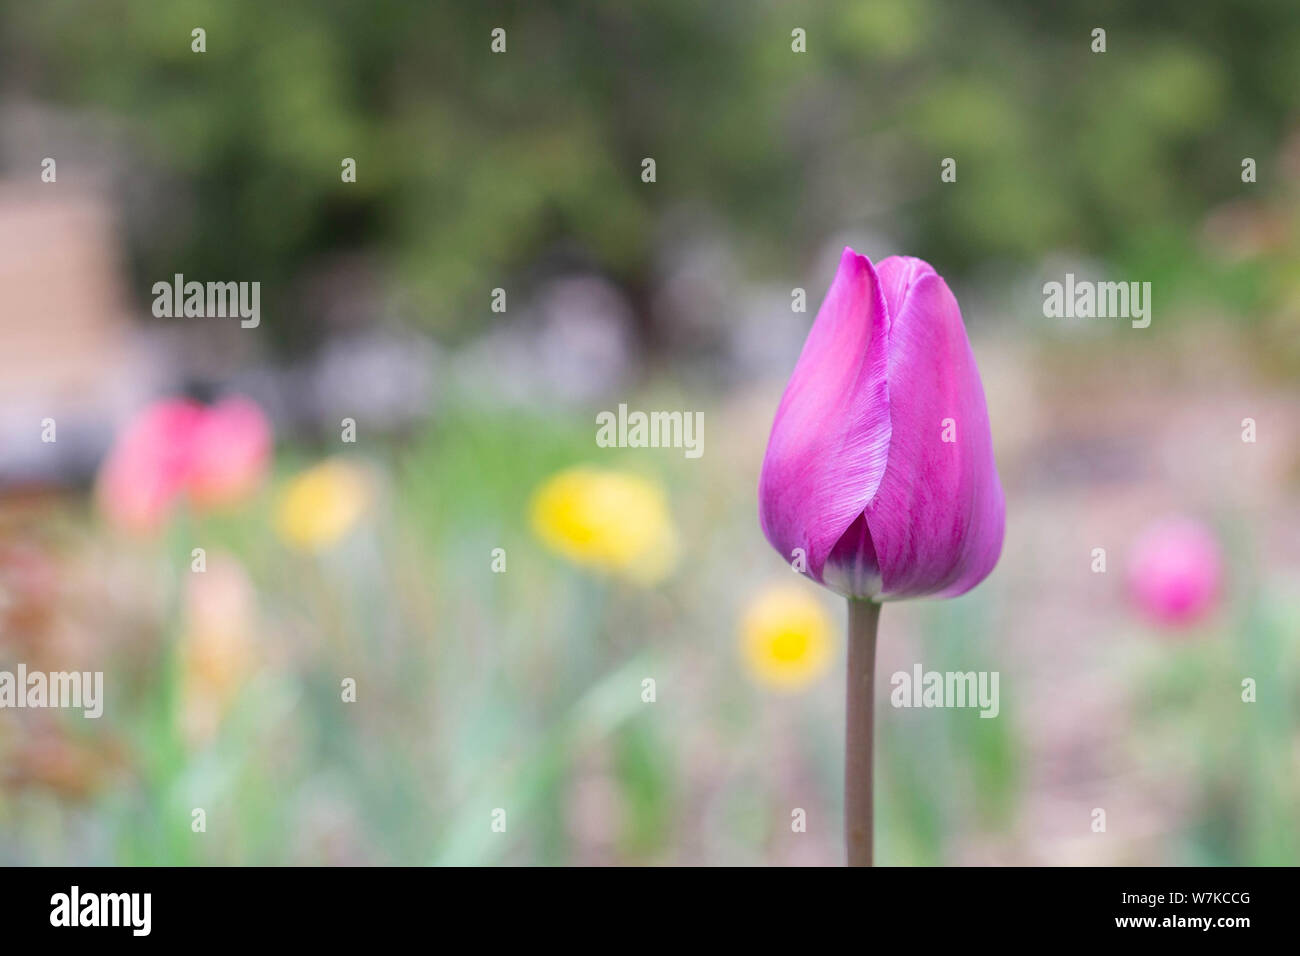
(474, 166)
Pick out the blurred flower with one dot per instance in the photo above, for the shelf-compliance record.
(322, 504)
(217, 643)
(145, 471)
(786, 638)
(232, 447)
(879, 468)
(1175, 571)
(216, 456)
(607, 520)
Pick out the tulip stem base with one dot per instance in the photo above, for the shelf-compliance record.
(864, 616)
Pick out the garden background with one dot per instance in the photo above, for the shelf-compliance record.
(522, 689)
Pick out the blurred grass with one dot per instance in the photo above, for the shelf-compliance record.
(523, 690)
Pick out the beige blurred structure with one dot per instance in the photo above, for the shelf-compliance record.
(66, 352)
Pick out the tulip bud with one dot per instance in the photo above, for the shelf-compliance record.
(880, 462)
(1175, 572)
(231, 453)
(176, 448)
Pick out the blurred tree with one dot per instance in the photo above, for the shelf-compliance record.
(477, 169)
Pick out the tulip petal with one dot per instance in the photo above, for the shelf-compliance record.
(231, 450)
(937, 521)
(1175, 571)
(853, 568)
(146, 470)
(830, 440)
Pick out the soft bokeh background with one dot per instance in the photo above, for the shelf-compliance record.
(523, 690)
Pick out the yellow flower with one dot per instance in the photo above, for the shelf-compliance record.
(607, 520)
(216, 652)
(322, 504)
(786, 638)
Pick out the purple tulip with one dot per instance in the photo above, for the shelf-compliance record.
(880, 463)
(879, 473)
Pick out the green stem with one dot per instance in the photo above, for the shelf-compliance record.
(864, 616)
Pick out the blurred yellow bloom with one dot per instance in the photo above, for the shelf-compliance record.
(786, 637)
(608, 520)
(217, 647)
(322, 504)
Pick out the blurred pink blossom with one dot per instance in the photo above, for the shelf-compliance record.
(232, 447)
(214, 456)
(1175, 572)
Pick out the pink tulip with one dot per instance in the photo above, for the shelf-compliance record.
(178, 448)
(232, 447)
(145, 471)
(879, 479)
(1175, 572)
(880, 463)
